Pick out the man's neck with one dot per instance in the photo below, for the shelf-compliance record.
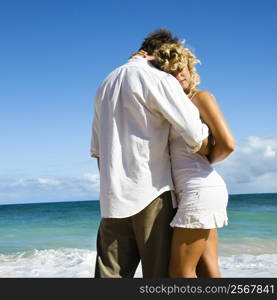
(146, 56)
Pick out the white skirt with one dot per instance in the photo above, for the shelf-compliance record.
(205, 208)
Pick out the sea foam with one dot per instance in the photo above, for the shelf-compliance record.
(79, 263)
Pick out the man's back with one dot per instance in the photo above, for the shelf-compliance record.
(134, 108)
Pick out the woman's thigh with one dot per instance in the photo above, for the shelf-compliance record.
(208, 263)
(186, 249)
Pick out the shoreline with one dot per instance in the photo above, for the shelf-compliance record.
(79, 263)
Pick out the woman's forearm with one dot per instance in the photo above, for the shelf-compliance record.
(211, 115)
(219, 153)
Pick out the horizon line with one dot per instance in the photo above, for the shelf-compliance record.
(65, 201)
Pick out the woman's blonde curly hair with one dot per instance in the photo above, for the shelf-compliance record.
(172, 58)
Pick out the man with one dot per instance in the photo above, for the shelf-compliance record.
(134, 108)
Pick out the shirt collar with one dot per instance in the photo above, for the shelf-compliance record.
(140, 59)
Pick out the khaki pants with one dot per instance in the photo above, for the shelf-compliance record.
(146, 236)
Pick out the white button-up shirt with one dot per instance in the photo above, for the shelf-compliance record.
(134, 108)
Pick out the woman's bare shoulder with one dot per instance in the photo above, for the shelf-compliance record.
(202, 95)
(205, 101)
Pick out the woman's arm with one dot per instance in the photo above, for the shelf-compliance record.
(212, 116)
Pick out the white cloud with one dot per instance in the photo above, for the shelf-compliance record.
(93, 178)
(31, 182)
(42, 189)
(45, 181)
(269, 152)
(252, 168)
(20, 182)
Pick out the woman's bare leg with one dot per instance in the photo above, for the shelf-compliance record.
(187, 246)
(208, 264)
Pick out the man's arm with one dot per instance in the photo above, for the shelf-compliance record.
(171, 101)
(178, 110)
(94, 146)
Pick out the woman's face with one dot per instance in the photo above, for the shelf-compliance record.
(184, 78)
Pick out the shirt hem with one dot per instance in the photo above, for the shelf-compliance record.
(156, 195)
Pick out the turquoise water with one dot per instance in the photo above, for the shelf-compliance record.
(58, 239)
(252, 215)
(74, 224)
(48, 226)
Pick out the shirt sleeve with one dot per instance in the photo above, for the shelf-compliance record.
(94, 147)
(171, 101)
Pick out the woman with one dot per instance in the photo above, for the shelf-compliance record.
(201, 192)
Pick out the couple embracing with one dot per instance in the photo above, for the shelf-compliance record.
(156, 136)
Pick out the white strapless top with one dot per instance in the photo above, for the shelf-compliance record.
(190, 171)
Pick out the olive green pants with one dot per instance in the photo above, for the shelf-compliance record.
(146, 237)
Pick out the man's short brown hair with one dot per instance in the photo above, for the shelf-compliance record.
(155, 39)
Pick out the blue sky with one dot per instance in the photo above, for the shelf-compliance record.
(54, 54)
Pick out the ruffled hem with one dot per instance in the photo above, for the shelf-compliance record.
(201, 220)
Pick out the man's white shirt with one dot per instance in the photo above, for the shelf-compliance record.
(134, 108)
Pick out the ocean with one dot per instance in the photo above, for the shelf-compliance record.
(59, 239)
